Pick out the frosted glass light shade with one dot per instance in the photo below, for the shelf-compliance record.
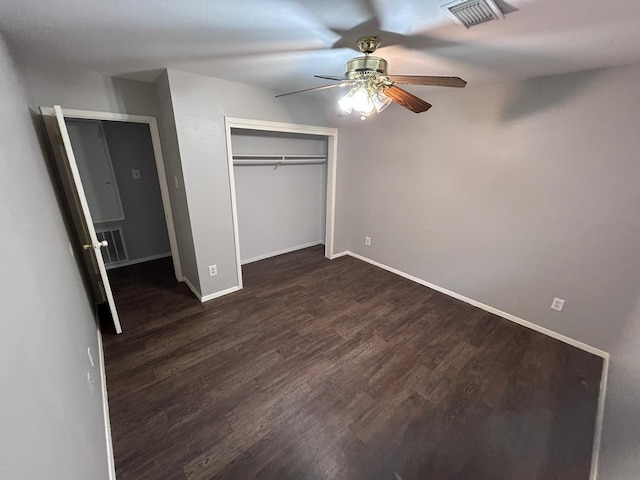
(362, 101)
(345, 102)
(381, 101)
(365, 98)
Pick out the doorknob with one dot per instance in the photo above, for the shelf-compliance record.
(102, 244)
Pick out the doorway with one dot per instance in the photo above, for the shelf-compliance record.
(112, 190)
(119, 176)
(118, 130)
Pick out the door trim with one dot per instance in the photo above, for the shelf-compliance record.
(332, 160)
(160, 167)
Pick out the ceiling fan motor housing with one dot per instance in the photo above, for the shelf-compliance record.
(365, 66)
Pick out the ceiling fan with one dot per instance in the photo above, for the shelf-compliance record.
(372, 89)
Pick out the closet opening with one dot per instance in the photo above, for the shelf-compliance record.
(283, 188)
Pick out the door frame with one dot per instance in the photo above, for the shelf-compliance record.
(152, 122)
(332, 160)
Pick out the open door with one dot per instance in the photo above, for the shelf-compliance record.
(77, 201)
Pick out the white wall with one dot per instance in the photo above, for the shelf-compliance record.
(200, 104)
(513, 194)
(52, 423)
(280, 208)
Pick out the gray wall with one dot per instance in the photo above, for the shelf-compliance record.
(52, 420)
(190, 110)
(55, 84)
(144, 226)
(510, 195)
(283, 208)
(200, 104)
(85, 90)
(175, 179)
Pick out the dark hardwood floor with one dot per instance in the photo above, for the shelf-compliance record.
(336, 369)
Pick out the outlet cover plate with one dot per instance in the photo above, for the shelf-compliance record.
(557, 304)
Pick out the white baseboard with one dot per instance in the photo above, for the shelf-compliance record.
(545, 331)
(211, 296)
(138, 260)
(558, 336)
(105, 410)
(221, 293)
(338, 255)
(280, 252)
(192, 288)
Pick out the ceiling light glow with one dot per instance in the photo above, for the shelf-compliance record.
(366, 98)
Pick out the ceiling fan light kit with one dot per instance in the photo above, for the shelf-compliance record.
(373, 89)
(367, 96)
(364, 99)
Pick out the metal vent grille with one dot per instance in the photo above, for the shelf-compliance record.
(115, 252)
(473, 12)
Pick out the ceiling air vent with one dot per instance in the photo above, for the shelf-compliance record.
(474, 12)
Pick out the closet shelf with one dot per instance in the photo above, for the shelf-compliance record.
(276, 160)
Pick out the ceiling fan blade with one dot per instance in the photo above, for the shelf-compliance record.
(343, 84)
(428, 80)
(330, 77)
(406, 99)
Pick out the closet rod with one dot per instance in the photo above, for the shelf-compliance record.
(276, 162)
(278, 157)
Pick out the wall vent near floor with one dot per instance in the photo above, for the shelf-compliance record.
(116, 252)
(473, 12)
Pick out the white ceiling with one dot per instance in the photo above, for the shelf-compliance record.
(280, 44)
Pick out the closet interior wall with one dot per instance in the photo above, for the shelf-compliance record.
(128, 147)
(281, 202)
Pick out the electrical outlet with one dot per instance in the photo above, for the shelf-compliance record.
(367, 241)
(213, 270)
(557, 304)
(135, 173)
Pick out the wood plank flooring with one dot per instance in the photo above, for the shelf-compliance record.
(339, 370)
